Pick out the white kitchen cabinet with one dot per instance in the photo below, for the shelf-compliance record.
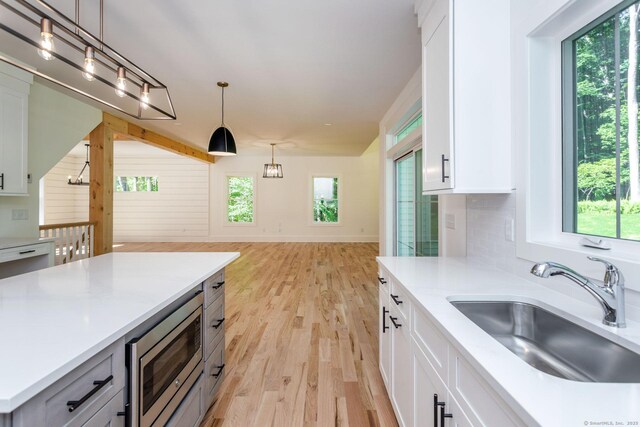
(14, 111)
(401, 369)
(384, 328)
(428, 390)
(466, 96)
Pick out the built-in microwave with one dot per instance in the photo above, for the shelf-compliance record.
(163, 364)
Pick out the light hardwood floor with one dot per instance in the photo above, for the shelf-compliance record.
(301, 335)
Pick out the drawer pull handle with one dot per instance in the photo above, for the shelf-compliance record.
(217, 374)
(444, 159)
(384, 319)
(382, 281)
(217, 325)
(396, 299)
(217, 285)
(393, 320)
(30, 251)
(75, 404)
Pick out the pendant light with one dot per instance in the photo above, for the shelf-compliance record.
(222, 142)
(79, 180)
(272, 170)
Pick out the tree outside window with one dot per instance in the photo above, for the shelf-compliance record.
(325, 199)
(125, 184)
(240, 199)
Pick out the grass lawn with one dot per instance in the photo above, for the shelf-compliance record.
(604, 224)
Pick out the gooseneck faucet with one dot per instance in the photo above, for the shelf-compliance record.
(609, 293)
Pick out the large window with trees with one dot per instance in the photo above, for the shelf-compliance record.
(601, 194)
(325, 200)
(240, 199)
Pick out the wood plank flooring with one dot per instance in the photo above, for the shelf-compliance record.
(301, 335)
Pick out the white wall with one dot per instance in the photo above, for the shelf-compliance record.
(56, 123)
(63, 202)
(283, 206)
(179, 211)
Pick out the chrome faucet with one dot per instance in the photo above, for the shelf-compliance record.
(609, 293)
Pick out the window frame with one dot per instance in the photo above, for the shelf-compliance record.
(537, 128)
(225, 192)
(312, 199)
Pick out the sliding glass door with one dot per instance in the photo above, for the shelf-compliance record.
(416, 215)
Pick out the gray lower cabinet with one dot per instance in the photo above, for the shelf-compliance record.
(192, 409)
(76, 398)
(110, 415)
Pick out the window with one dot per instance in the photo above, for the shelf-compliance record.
(240, 199)
(126, 184)
(601, 194)
(325, 199)
(416, 215)
(413, 124)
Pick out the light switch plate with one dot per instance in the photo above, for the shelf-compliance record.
(19, 214)
(450, 221)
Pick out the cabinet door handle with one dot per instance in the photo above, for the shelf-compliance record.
(30, 251)
(217, 325)
(217, 374)
(443, 414)
(217, 285)
(75, 404)
(1, 181)
(396, 299)
(384, 319)
(435, 409)
(444, 159)
(393, 320)
(382, 281)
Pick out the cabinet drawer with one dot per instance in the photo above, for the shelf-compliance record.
(85, 390)
(429, 339)
(398, 298)
(214, 370)
(383, 280)
(214, 326)
(213, 287)
(192, 409)
(22, 252)
(476, 398)
(108, 415)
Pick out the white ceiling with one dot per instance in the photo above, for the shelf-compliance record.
(293, 66)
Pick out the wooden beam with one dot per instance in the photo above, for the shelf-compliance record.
(126, 130)
(101, 187)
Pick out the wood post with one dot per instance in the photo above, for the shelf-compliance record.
(101, 187)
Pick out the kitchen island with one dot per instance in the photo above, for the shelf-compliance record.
(53, 321)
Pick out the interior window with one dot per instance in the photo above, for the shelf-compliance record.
(325, 199)
(601, 194)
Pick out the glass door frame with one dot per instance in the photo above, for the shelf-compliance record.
(410, 151)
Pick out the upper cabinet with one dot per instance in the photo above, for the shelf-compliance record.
(14, 112)
(466, 96)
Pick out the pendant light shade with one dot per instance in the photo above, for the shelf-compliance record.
(222, 142)
(272, 170)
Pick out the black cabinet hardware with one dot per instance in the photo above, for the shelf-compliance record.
(384, 319)
(396, 299)
(217, 325)
(121, 414)
(217, 285)
(1, 181)
(393, 320)
(443, 414)
(30, 251)
(75, 404)
(435, 409)
(444, 159)
(217, 374)
(198, 292)
(382, 281)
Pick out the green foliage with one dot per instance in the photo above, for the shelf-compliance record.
(136, 183)
(597, 180)
(608, 207)
(325, 210)
(240, 199)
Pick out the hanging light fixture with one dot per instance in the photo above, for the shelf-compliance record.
(273, 169)
(222, 142)
(79, 180)
(36, 24)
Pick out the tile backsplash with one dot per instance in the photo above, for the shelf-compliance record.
(489, 223)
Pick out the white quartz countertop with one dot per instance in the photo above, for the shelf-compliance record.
(538, 398)
(53, 320)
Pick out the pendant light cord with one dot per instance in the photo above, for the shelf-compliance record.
(223, 106)
(272, 149)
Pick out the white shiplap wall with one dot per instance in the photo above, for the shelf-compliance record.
(64, 202)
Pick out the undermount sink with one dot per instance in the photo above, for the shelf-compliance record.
(553, 344)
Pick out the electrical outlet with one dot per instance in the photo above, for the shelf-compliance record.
(509, 230)
(450, 221)
(19, 214)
